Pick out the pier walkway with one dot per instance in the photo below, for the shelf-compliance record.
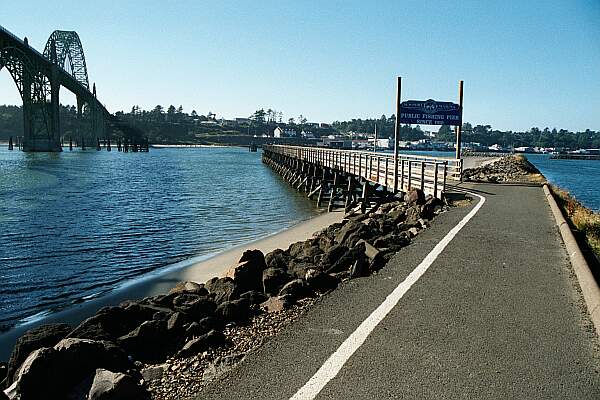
(496, 315)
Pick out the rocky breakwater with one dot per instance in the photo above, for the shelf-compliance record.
(513, 168)
(169, 346)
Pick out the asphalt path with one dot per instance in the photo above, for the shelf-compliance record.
(497, 315)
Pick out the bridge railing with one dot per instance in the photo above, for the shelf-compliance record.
(429, 174)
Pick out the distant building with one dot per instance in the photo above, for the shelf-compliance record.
(228, 122)
(324, 125)
(381, 143)
(280, 132)
(524, 149)
(336, 142)
(242, 120)
(307, 134)
(290, 132)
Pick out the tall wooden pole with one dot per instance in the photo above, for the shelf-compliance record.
(397, 133)
(375, 142)
(458, 128)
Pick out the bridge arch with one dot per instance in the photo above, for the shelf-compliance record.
(33, 86)
(21, 68)
(69, 54)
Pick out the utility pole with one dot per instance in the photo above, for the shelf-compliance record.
(397, 134)
(458, 128)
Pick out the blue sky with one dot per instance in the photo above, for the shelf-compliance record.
(533, 63)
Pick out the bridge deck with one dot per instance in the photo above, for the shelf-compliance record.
(430, 174)
(497, 315)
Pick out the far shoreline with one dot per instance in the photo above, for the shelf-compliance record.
(198, 269)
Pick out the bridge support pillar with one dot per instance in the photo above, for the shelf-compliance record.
(28, 123)
(40, 141)
(54, 134)
(79, 117)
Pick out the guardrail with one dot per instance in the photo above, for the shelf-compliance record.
(414, 171)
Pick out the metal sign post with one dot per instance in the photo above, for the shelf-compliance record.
(459, 127)
(397, 134)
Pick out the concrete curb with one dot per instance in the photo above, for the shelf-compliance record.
(589, 286)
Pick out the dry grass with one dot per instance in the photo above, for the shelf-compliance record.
(582, 218)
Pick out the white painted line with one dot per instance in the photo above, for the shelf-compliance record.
(336, 361)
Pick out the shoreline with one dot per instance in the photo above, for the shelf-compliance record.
(198, 269)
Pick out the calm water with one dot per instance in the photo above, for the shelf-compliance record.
(580, 177)
(76, 224)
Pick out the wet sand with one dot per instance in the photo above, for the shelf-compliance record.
(198, 270)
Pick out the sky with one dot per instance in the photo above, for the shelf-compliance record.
(524, 63)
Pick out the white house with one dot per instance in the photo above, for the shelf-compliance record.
(290, 132)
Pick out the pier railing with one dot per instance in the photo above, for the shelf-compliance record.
(429, 174)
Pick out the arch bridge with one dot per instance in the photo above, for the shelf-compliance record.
(39, 77)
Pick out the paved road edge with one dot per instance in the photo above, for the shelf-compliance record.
(589, 286)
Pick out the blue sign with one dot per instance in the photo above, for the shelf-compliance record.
(430, 112)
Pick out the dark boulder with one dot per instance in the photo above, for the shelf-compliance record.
(324, 242)
(274, 279)
(360, 267)
(431, 208)
(392, 240)
(189, 287)
(182, 299)
(320, 281)
(195, 307)
(305, 250)
(195, 330)
(109, 385)
(253, 297)
(247, 275)
(352, 232)
(348, 259)
(333, 255)
(296, 290)
(297, 269)
(277, 259)
(212, 339)
(384, 208)
(176, 323)
(205, 325)
(413, 214)
(53, 372)
(149, 342)
(277, 303)
(414, 196)
(162, 300)
(397, 215)
(222, 289)
(33, 339)
(348, 229)
(332, 230)
(111, 322)
(387, 225)
(233, 311)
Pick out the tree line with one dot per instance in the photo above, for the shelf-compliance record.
(174, 125)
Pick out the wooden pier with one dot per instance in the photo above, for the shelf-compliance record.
(350, 177)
